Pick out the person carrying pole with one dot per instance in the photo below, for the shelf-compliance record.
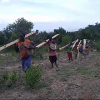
(69, 52)
(75, 50)
(87, 47)
(25, 48)
(52, 51)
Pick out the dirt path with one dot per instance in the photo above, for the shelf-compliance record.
(79, 79)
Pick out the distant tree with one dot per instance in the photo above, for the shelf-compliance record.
(60, 31)
(2, 38)
(19, 26)
(66, 39)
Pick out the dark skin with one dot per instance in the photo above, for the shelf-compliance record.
(55, 64)
(22, 39)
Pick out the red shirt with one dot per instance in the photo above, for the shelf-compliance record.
(75, 47)
(51, 52)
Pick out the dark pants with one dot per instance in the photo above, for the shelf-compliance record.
(53, 59)
(26, 62)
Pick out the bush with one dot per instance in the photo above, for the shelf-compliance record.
(13, 77)
(13, 53)
(3, 80)
(33, 76)
(98, 47)
(5, 76)
(8, 80)
(32, 62)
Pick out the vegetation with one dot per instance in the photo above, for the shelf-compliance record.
(12, 32)
(8, 80)
(33, 76)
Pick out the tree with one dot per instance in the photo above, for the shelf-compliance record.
(66, 39)
(2, 38)
(19, 26)
(22, 26)
(60, 31)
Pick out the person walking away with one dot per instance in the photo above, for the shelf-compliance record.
(87, 48)
(69, 52)
(75, 50)
(81, 49)
(52, 51)
(25, 48)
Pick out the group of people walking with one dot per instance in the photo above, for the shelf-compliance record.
(77, 49)
(25, 47)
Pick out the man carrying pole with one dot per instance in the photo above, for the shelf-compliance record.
(52, 51)
(75, 50)
(69, 52)
(87, 47)
(25, 48)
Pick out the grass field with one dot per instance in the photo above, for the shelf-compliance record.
(79, 79)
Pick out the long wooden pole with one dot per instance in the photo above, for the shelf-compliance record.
(66, 45)
(75, 42)
(84, 43)
(13, 42)
(79, 44)
(41, 44)
(78, 48)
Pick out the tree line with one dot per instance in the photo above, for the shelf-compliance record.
(21, 25)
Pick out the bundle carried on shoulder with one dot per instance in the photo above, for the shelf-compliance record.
(30, 48)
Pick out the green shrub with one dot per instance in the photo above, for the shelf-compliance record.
(32, 62)
(3, 80)
(8, 80)
(5, 76)
(13, 77)
(98, 47)
(13, 53)
(33, 76)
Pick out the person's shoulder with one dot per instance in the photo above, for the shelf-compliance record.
(18, 42)
(28, 41)
(47, 42)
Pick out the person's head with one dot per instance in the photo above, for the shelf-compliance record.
(22, 37)
(50, 38)
(53, 42)
(76, 43)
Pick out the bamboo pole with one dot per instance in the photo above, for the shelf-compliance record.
(75, 42)
(66, 46)
(84, 43)
(78, 48)
(41, 44)
(13, 42)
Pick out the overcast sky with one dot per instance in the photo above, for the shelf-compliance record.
(50, 14)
